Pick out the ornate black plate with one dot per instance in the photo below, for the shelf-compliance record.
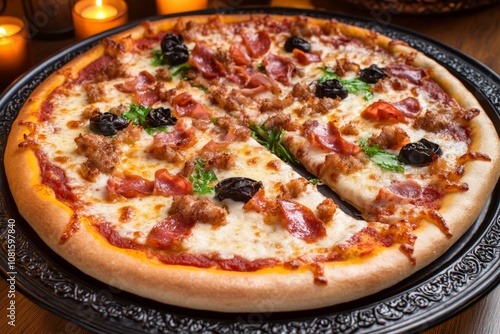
(469, 270)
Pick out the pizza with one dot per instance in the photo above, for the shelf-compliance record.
(250, 163)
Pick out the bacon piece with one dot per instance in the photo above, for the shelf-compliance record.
(114, 238)
(257, 44)
(91, 70)
(239, 55)
(258, 203)
(301, 221)
(169, 231)
(382, 111)
(144, 89)
(185, 105)
(259, 83)
(435, 91)
(412, 74)
(306, 58)
(167, 184)
(409, 107)
(129, 186)
(327, 137)
(279, 68)
(203, 58)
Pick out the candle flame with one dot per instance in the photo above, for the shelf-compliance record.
(98, 3)
(3, 32)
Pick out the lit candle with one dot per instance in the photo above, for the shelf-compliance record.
(99, 11)
(14, 50)
(91, 17)
(177, 6)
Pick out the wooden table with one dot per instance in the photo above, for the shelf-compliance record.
(476, 33)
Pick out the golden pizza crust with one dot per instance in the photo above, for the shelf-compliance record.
(268, 290)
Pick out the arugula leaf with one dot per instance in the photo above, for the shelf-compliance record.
(137, 114)
(181, 70)
(273, 141)
(314, 181)
(202, 178)
(158, 58)
(382, 158)
(352, 85)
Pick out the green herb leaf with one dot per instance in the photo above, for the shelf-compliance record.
(314, 181)
(273, 141)
(158, 58)
(382, 158)
(202, 178)
(181, 70)
(137, 114)
(352, 85)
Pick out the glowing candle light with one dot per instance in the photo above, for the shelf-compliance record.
(91, 17)
(14, 53)
(99, 11)
(176, 6)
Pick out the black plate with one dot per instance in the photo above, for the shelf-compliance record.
(469, 270)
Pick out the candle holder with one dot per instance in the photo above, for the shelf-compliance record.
(177, 6)
(15, 50)
(49, 19)
(87, 24)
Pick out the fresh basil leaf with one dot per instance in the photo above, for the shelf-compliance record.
(382, 158)
(352, 85)
(273, 141)
(181, 70)
(202, 178)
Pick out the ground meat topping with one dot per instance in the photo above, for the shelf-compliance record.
(391, 137)
(198, 210)
(100, 152)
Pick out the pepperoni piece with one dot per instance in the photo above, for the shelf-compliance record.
(301, 221)
(239, 55)
(203, 58)
(382, 111)
(114, 238)
(411, 74)
(407, 189)
(306, 58)
(143, 89)
(167, 184)
(89, 71)
(54, 177)
(185, 105)
(327, 137)
(171, 229)
(279, 68)
(409, 107)
(257, 44)
(130, 186)
(179, 137)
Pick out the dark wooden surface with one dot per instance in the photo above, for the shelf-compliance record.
(475, 33)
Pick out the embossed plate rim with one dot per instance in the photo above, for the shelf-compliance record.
(53, 284)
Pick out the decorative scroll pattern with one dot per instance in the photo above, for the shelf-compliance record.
(100, 305)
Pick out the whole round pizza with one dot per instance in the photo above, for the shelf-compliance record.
(192, 160)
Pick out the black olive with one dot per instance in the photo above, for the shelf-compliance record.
(295, 42)
(159, 117)
(173, 47)
(372, 74)
(331, 88)
(108, 124)
(420, 153)
(239, 189)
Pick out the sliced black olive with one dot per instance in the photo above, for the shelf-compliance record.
(331, 88)
(372, 74)
(420, 153)
(239, 189)
(296, 42)
(108, 124)
(173, 47)
(160, 117)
